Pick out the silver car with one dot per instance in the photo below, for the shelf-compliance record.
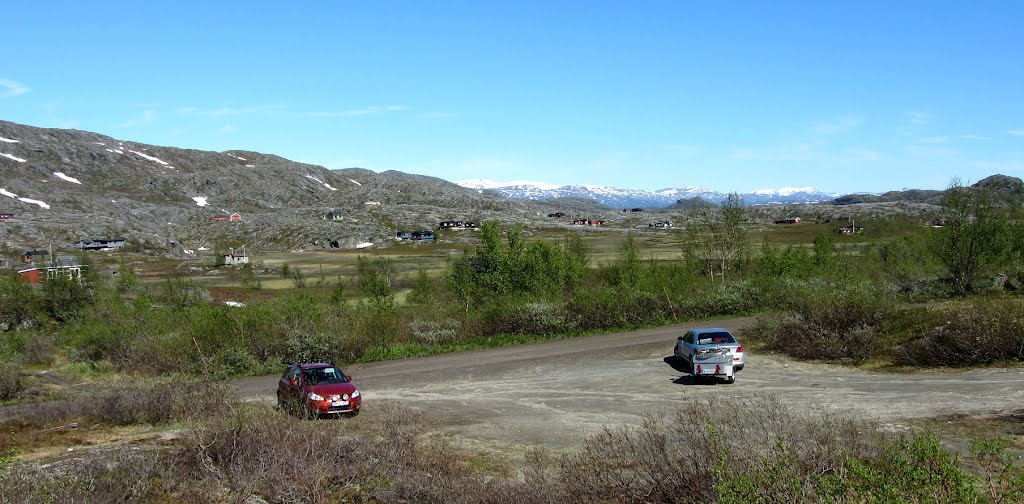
(707, 338)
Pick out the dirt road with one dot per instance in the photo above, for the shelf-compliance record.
(554, 393)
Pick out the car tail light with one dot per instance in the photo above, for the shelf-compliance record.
(698, 369)
(739, 349)
(718, 369)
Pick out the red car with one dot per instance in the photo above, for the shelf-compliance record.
(318, 389)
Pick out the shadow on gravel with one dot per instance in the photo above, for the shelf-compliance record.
(686, 379)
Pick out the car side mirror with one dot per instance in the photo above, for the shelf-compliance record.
(680, 338)
(348, 377)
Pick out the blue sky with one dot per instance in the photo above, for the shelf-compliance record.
(733, 96)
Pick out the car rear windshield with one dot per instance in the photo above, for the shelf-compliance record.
(715, 338)
(324, 375)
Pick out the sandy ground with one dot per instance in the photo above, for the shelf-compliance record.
(554, 393)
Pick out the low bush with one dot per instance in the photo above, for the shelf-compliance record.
(11, 381)
(150, 403)
(981, 332)
(825, 322)
(712, 448)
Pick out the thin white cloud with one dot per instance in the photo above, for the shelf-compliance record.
(972, 136)
(374, 110)
(683, 150)
(52, 109)
(928, 151)
(796, 152)
(1017, 132)
(438, 115)
(233, 111)
(918, 118)
(934, 140)
(147, 117)
(10, 88)
(1012, 166)
(838, 125)
(227, 129)
(861, 155)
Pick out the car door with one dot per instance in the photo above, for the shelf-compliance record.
(686, 346)
(292, 382)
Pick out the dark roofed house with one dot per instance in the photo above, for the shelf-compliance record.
(449, 224)
(850, 229)
(32, 256)
(333, 215)
(788, 220)
(660, 224)
(99, 244)
(6, 216)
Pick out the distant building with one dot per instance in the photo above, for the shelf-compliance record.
(233, 258)
(788, 220)
(6, 216)
(939, 223)
(449, 224)
(235, 217)
(404, 235)
(588, 222)
(41, 274)
(850, 229)
(660, 224)
(556, 215)
(4, 263)
(333, 215)
(632, 209)
(424, 235)
(32, 256)
(99, 244)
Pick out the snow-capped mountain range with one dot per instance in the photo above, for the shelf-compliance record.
(623, 198)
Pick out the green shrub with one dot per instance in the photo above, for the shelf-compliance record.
(435, 332)
(826, 322)
(11, 381)
(981, 332)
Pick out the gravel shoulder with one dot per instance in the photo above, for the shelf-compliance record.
(554, 393)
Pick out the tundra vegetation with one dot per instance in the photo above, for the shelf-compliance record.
(871, 302)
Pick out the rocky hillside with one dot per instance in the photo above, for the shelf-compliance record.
(64, 185)
(1009, 188)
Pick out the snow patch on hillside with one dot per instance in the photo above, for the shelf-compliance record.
(354, 182)
(200, 200)
(9, 194)
(16, 158)
(8, 140)
(364, 245)
(310, 177)
(66, 177)
(151, 158)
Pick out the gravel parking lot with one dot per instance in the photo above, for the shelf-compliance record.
(554, 393)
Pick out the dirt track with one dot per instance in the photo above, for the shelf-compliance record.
(553, 393)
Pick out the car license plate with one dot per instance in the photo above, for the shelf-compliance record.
(339, 403)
